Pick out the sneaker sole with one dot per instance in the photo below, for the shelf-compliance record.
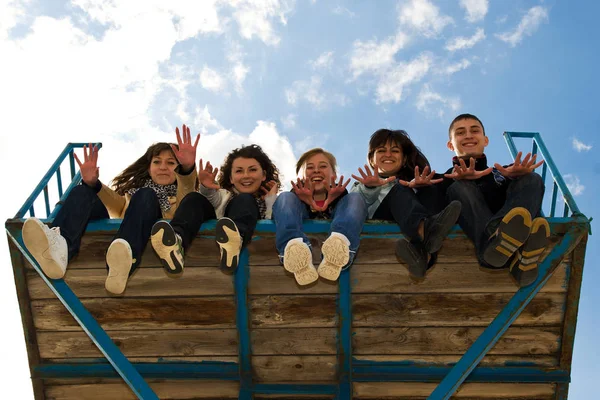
(164, 243)
(336, 255)
(229, 240)
(512, 233)
(524, 268)
(447, 220)
(118, 259)
(406, 252)
(297, 259)
(36, 241)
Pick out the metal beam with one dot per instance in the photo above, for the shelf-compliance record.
(241, 305)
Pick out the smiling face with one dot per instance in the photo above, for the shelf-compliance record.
(319, 172)
(162, 168)
(247, 175)
(387, 159)
(467, 138)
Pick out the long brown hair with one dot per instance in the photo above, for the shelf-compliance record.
(411, 154)
(137, 173)
(251, 151)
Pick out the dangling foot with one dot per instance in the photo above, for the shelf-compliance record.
(119, 259)
(415, 257)
(47, 247)
(524, 267)
(230, 243)
(438, 226)
(168, 246)
(336, 254)
(512, 232)
(297, 259)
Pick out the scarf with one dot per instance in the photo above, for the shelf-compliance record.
(163, 192)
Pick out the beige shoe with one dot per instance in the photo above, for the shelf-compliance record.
(297, 259)
(47, 247)
(119, 260)
(336, 254)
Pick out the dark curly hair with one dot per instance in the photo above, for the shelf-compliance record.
(251, 151)
(137, 173)
(411, 154)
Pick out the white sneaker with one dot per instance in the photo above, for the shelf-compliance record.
(47, 246)
(119, 259)
(336, 254)
(297, 259)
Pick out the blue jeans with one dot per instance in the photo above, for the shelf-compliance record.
(348, 217)
(477, 219)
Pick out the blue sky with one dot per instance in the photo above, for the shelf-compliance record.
(291, 75)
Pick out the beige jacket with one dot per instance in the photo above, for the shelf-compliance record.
(117, 204)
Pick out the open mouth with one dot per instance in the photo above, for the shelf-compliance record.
(317, 179)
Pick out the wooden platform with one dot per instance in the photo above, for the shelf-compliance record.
(294, 331)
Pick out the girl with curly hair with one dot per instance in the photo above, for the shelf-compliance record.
(160, 184)
(243, 193)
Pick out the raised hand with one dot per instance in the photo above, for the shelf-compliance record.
(207, 176)
(461, 171)
(519, 168)
(334, 191)
(304, 191)
(421, 180)
(186, 153)
(90, 172)
(371, 179)
(269, 188)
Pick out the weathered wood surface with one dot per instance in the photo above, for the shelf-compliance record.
(410, 390)
(449, 360)
(313, 369)
(452, 340)
(293, 311)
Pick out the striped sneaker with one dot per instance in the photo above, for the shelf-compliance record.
(512, 232)
(168, 246)
(336, 254)
(297, 259)
(119, 259)
(47, 246)
(524, 267)
(230, 242)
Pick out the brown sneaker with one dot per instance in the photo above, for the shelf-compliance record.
(524, 267)
(512, 232)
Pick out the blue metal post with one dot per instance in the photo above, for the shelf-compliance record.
(91, 327)
(505, 318)
(344, 342)
(241, 278)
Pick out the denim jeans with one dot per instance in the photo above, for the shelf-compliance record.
(243, 210)
(348, 218)
(479, 222)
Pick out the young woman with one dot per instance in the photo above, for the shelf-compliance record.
(244, 192)
(401, 188)
(151, 188)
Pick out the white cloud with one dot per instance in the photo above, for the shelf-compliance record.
(475, 9)
(527, 27)
(211, 80)
(433, 102)
(461, 43)
(312, 92)
(391, 84)
(289, 121)
(238, 74)
(254, 17)
(372, 56)
(324, 61)
(456, 67)
(203, 121)
(580, 146)
(339, 10)
(574, 185)
(424, 17)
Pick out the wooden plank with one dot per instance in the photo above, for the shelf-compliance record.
(199, 342)
(140, 314)
(455, 340)
(293, 311)
(313, 369)
(294, 341)
(445, 277)
(281, 282)
(447, 360)
(145, 282)
(441, 309)
(413, 390)
(164, 390)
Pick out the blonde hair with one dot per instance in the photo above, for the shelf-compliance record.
(312, 152)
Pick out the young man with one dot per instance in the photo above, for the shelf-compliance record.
(497, 202)
(317, 195)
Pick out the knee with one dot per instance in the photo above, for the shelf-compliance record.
(83, 192)
(531, 180)
(144, 197)
(285, 200)
(196, 199)
(356, 202)
(461, 190)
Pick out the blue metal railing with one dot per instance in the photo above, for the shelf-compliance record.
(539, 148)
(54, 170)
